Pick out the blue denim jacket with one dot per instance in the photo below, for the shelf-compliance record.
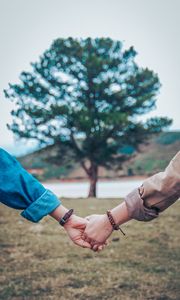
(20, 190)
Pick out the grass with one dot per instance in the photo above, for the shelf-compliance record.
(39, 262)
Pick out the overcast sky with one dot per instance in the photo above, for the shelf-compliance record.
(27, 28)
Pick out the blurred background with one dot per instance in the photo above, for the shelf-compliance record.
(90, 106)
(29, 28)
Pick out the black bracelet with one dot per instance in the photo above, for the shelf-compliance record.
(66, 217)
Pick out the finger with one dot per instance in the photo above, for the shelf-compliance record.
(83, 236)
(107, 242)
(82, 243)
(93, 243)
(100, 248)
(95, 247)
(86, 238)
(89, 240)
(103, 246)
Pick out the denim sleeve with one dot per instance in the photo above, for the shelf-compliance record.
(20, 190)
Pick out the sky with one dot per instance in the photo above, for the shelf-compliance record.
(27, 28)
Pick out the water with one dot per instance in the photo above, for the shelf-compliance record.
(105, 189)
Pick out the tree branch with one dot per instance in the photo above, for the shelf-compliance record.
(85, 168)
(78, 150)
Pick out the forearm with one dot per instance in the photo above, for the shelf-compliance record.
(59, 212)
(163, 189)
(120, 213)
(156, 193)
(20, 190)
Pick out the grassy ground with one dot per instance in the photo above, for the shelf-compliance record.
(39, 262)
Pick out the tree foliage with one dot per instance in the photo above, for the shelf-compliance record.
(87, 95)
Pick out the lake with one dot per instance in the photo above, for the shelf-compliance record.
(105, 189)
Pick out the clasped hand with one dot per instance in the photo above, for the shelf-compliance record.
(91, 232)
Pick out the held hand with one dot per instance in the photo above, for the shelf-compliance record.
(97, 231)
(75, 228)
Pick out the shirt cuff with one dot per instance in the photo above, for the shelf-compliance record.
(136, 208)
(41, 207)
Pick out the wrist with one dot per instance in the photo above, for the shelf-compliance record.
(59, 212)
(120, 214)
(70, 221)
(107, 225)
(114, 225)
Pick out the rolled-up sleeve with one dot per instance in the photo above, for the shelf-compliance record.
(156, 194)
(20, 190)
(137, 209)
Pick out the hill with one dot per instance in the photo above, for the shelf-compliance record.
(153, 157)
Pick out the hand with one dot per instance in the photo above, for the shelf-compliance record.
(75, 228)
(97, 231)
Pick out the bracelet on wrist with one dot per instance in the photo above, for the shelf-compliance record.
(66, 217)
(113, 223)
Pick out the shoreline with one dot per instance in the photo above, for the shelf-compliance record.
(79, 180)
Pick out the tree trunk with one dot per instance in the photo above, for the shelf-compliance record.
(93, 177)
(92, 173)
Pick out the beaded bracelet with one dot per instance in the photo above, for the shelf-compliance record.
(114, 225)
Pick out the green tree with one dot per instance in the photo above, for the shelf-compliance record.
(85, 95)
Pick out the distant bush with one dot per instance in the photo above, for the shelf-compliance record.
(127, 149)
(168, 138)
